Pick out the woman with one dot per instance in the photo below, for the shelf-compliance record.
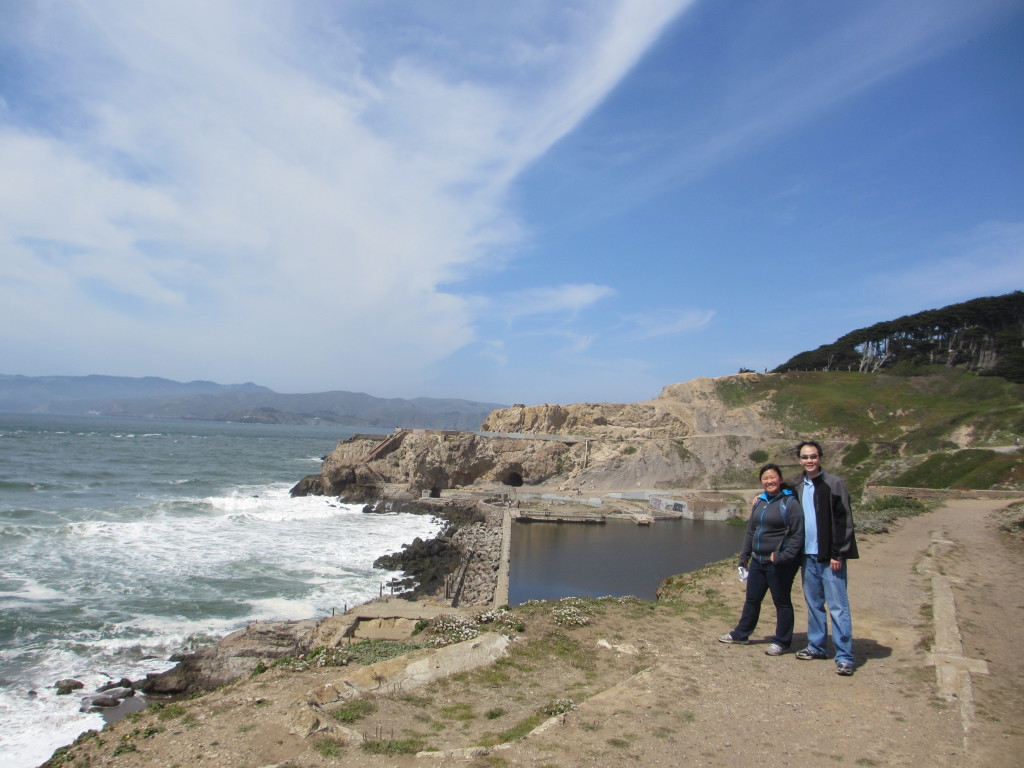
(772, 546)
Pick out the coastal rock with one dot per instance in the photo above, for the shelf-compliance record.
(67, 685)
(124, 682)
(691, 435)
(310, 485)
(237, 654)
(681, 410)
(108, 699)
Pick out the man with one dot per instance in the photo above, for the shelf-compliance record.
(829, 542)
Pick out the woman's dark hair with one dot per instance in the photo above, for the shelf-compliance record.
(783, 485)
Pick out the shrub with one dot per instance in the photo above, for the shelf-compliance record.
(354, 710)
(393, 746)
(857, 453)
(876, 515)
(328, 747)
(569, 613)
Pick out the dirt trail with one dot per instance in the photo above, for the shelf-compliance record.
(732, 705)
(673, 696)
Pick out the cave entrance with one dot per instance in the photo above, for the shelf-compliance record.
(512, 478)
(435, 493)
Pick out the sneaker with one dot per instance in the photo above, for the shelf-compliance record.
(807, 654)
(728, 638)
(775, 650)
(844, 668)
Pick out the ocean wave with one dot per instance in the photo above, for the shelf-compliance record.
(30, 591)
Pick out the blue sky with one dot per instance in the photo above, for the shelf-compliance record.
(518, 202)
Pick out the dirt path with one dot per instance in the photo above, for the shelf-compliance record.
(660, 691)
(740, 707)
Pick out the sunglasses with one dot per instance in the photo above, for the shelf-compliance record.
(809, 456)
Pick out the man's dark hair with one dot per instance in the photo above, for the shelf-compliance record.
(821, 453)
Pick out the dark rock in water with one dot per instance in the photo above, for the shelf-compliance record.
(67, 685)
(98, 702)
(310, 485)
(118, 692)
(107, 696)
(124, 682)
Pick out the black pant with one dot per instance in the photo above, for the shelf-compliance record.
(764, 577)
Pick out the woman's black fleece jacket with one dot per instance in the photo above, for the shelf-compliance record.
(769, 530)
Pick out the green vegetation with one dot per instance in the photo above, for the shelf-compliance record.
(960, 334)
(394, 746)
(458, 711)
(328, 747)
(856, 454)
(878, 408)
(735, 392)
(1011, 519)
(354, 710)
(877, 515)
(897, 421)
(367, 652)
(974, 468)
(690, 593)
(169, 711)
(682, 451)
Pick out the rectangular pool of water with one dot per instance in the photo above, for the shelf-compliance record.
(555, 560)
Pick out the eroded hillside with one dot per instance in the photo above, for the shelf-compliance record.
(946, 429)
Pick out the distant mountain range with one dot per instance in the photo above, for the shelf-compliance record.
(152, 397)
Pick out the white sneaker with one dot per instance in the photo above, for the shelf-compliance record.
(775, 650)
(728, 638)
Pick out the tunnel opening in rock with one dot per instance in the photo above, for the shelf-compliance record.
(512, 478)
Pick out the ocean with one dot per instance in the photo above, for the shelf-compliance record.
(125, 541)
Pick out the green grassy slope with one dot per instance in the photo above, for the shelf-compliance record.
(899, 430)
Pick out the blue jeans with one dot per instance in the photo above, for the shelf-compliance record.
(762, 578)
(823, 585)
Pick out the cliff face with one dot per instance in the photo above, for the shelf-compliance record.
(689, 409)
(685, 437)
(408, 463)
(707, 433)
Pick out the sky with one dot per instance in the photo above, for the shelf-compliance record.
(526, 202)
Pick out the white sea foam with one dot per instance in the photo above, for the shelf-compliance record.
(30, 591)
(325, 549)
(276, 609)
(148, 547)
(34, 726)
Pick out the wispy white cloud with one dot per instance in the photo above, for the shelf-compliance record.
(666, 322)
(195, 189)
(546, 300)
(761, 95)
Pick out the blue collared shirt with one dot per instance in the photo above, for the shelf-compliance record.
(810, 518)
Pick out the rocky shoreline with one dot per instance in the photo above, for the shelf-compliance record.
(594, 682)
(456, 569)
